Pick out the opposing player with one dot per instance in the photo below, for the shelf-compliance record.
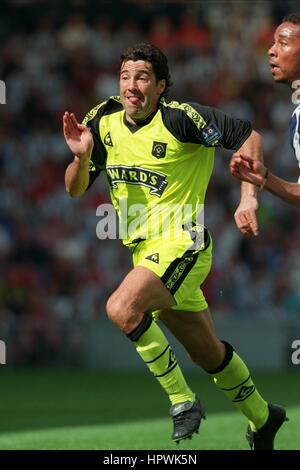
(285, 68)
(158, 156)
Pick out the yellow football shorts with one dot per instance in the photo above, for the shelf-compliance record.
(182, 265)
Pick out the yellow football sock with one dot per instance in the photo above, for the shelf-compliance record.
(236, 383)
(154, 349)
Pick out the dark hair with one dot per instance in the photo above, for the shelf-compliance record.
(292, 18)
(153, 55)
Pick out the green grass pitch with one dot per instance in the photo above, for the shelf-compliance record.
(75, 410)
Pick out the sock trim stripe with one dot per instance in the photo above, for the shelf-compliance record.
(157, 357)
(142, 327)
(169, 370)
(242, 383)
(245, 397)
(228, 356)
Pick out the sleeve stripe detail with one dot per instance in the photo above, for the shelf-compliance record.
(190, 112)
(92, 113)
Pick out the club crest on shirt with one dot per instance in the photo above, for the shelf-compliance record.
(159, 149)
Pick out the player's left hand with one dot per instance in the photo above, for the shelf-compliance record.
(245, 216)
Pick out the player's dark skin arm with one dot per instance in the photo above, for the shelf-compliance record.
(80, 142)
(289, 192)
(247, 169)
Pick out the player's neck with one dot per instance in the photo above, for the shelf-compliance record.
(131, 122)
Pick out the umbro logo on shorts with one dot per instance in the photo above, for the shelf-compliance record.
(154, 258)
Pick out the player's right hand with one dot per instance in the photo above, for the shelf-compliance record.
(245, 216)
(78, 137)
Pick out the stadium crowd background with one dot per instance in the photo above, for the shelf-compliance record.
(55, 273)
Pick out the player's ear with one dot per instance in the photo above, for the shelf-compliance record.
(161, 86)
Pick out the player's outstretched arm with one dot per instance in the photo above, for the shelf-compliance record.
(255, 172)
(245, 215)
(80, 141)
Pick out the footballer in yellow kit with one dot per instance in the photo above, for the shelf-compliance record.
(158, 172)
(158, 158)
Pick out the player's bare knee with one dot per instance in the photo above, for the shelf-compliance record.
(123, 315)
(114, 309)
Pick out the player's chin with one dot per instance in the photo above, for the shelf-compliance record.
(280, 78)
(131, 108)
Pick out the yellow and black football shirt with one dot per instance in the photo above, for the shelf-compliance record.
(158, 170)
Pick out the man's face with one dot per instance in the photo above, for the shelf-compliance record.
(139, 90)
(285, 53)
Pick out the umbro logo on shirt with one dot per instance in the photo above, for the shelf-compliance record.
(107, 140)
(154, 258)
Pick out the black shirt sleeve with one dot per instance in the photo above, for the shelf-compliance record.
(232, 131)
(220, 130)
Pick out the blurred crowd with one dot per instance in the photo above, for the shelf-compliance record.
(55, 273)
